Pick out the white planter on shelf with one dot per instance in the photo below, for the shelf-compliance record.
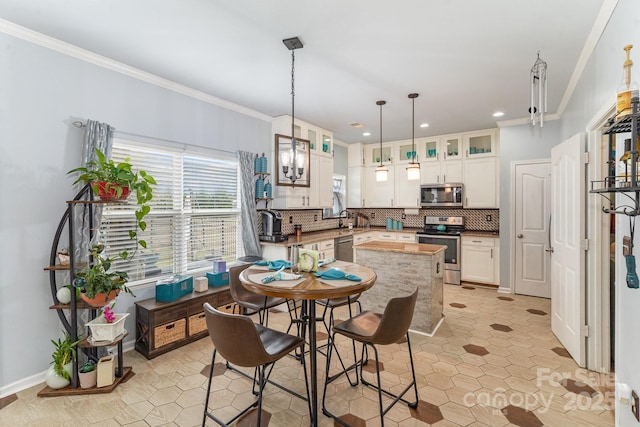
(103, 331)
(55, 381)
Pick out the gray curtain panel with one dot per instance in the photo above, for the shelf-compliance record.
(96, 135)
(249, 220)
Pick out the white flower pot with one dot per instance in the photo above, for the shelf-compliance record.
(54, 380)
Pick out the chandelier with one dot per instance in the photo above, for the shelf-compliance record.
(292, 161)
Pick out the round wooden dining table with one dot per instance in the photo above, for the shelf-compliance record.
(308, 289)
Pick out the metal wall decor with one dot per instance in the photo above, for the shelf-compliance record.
(538, 81)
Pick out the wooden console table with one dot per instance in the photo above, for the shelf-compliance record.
(164, 326)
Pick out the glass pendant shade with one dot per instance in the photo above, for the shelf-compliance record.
(382, 173)
(413, 171)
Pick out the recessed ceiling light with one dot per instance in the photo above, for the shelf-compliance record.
(366, 134)
(424, 125)
(498, 114)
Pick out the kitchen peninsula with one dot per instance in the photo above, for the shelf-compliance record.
(401, 267)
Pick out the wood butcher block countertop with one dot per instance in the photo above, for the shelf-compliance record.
(407, 248)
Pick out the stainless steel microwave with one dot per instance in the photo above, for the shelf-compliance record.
(441, 195)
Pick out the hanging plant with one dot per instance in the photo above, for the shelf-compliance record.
(110, 181)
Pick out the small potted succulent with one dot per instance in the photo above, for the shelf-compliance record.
(97, 284)
(112, 182)
(87, 374)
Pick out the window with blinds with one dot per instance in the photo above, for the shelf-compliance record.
(194, 218)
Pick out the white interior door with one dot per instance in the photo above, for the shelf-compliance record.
(567, 240)
(532, 194)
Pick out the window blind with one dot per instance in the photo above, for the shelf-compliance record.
(194, 218)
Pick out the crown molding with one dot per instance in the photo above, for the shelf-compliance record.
(527, 120)
(73, 51)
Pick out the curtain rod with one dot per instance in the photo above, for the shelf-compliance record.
(80, 124)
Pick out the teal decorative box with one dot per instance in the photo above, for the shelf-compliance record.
(218, 279)
(173, 288)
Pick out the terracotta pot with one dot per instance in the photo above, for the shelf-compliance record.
(88, 379)
(110, 194)
(100, 300)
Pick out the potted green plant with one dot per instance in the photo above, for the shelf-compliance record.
(59, 373)
(87, 374)
(97, 284)
(111, 181)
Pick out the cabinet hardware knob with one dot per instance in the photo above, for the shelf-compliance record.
(520, 236)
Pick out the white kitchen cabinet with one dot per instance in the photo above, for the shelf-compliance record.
(480, 144)
(321, 190)
(318, 195)
(355, 183)
(320, 140)
(386, 235)
(325, 248)
(442, 172)
(479, 259)
(363, 237)
(442, 162)
(481, 183)
(355, 154)
(378, 194)
(406, 192)
(409, 237)
(372, 155)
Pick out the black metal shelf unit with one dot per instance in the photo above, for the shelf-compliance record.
(68, 313)
(627, 185)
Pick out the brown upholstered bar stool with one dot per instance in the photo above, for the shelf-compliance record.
(373, 329)
(247, 344)
(251, 302)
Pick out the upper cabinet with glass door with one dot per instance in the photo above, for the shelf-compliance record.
(321, 141)
(451, 147)
(480, 144)
(373, 155)
(405, 150)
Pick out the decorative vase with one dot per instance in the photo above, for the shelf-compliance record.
(56, 381)
(88, 379)
(64, 258)
(109, 191)
(101, 299)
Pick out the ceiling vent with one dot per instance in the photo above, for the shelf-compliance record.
(356, 125)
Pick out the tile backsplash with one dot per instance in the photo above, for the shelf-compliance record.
(311, 220)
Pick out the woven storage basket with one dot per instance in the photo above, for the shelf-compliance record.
(197, 323)
(169, 332)
(229, 308)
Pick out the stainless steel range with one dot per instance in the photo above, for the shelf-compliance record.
(445, 230)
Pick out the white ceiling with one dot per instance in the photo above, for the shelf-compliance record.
(466, 58)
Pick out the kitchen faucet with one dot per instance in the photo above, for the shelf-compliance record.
(340, 222)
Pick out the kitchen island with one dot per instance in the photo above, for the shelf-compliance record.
(401, 267)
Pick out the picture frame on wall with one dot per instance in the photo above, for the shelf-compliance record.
(283, 145)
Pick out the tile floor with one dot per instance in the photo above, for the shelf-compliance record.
(493, 362)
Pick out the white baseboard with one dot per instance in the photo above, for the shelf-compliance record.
(39, 378)
(502, 290)
(432, 333)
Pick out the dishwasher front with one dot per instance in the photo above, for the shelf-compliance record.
(344, 248)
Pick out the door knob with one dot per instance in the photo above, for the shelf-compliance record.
(520, 236)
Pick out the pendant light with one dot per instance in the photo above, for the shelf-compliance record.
(382, 173)
(292, 161)
(413, 169)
